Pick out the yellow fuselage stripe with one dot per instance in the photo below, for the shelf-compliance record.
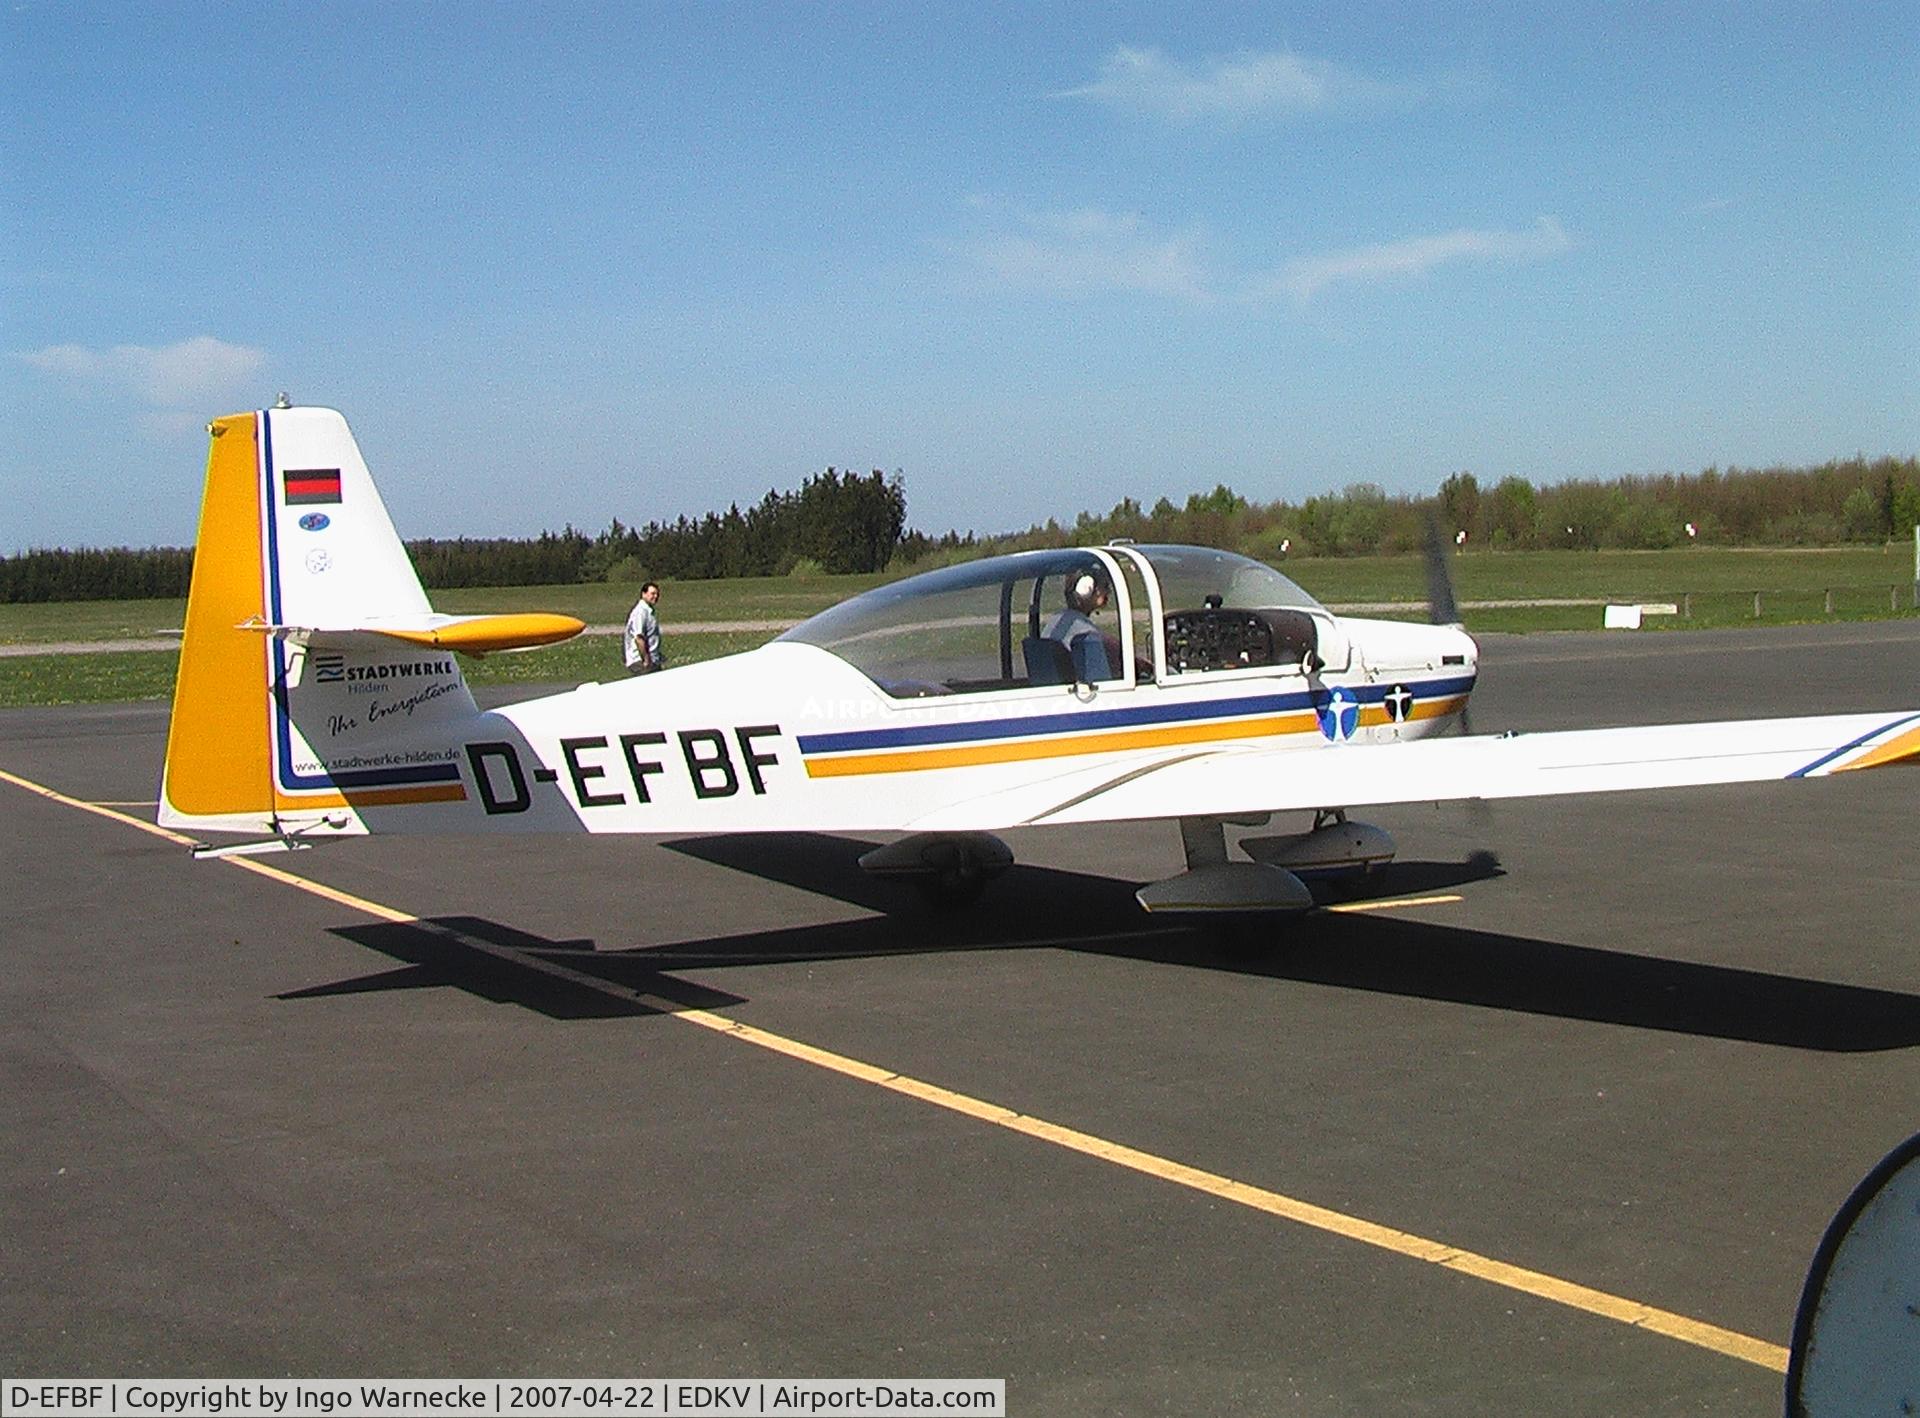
(1698, 1333)
(1060, 746)
(1113, 741)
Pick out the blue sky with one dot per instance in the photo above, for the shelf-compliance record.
(571, 262)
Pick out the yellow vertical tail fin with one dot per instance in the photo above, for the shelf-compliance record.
(314, 679)
(219, 770)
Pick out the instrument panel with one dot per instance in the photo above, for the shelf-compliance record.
(1218, 638)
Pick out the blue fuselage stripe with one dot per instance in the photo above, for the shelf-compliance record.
(923, 735)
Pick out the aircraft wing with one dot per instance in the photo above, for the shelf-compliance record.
(1238, 781)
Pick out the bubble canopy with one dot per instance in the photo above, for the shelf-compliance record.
(1189, 576)
(984, 625)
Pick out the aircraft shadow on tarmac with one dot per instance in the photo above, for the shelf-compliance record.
(505, 966)
(1034, 907)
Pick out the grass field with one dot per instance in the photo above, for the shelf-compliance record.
(1717, 585)
(148, 674)
(762, 598)
(753, 598)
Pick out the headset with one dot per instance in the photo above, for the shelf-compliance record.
(1084, 592)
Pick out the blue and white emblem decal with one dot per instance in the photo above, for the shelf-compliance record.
(1339, 715)
(314, 522)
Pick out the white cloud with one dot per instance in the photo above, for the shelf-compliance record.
(74, 361)
(1305, 277)
(1091, 251)
(174, 376)
(1088, 252)
(1236, 87)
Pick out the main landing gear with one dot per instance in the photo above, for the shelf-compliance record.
(951, 869)
(1269, 881)
(948, 869)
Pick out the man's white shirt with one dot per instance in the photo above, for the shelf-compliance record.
(641, 643)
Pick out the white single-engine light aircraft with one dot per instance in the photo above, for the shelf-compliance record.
(320, 696)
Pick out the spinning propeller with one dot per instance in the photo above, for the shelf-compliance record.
(1443, 608)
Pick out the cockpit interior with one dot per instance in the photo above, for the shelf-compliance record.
(1096, 617)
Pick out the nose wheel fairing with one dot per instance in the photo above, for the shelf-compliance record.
(1334, 844)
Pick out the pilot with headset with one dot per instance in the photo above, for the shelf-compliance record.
(1073, 627)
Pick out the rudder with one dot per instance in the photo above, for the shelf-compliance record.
(312, 678)
(218, 771)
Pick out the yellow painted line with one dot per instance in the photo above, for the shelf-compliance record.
(1539, 1284)
(314, 888)
(324, 892)
(1512, 1277)
(97, 809)
(1397, 903)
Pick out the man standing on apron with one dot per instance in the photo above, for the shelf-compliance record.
(641, 643)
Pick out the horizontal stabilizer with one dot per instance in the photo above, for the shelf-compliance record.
(468, 634)
(258, 847)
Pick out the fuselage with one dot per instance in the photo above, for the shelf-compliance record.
(902, 707)
(788, 735)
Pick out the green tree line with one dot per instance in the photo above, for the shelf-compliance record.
(1852, 501)
(96, 574)
(846, 522)
(835, 522)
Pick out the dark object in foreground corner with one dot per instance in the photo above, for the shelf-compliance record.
(1856, 1339)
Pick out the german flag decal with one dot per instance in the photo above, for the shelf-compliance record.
(310, 485)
